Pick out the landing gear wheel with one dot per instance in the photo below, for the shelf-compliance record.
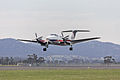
(70, 48)
(44, 49)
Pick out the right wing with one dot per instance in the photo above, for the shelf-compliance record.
(82, 40)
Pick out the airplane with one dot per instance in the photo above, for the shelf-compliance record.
(60, 40)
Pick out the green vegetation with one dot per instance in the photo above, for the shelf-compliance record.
(61, 74)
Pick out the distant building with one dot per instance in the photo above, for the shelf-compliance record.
(109, 59)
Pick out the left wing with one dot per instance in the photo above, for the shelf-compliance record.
(82, 40)
(42, 42)
(27, 40)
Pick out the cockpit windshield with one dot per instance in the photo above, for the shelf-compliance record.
(53, 34)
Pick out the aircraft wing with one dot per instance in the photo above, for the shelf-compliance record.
(82, 40)
(28, 40)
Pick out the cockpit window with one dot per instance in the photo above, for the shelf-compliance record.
(53, 34)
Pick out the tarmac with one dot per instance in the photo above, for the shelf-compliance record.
(58, 67)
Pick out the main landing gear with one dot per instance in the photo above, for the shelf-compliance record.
(44, 49)
(46, 46)
(71, 48)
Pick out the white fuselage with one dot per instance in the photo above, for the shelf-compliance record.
(56, 40)
(54, 37)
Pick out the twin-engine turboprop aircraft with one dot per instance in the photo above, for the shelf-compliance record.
(54, 39)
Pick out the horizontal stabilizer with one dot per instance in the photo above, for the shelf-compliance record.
(76, 31)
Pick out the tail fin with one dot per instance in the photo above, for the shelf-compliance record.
(74, 32)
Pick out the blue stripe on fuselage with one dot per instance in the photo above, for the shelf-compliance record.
(53, 40)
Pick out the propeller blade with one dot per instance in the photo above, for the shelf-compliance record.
(36, 35)
(40, 38)
(65, 38)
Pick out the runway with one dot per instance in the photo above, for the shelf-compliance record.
(57, 67)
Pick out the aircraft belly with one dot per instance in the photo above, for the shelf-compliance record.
(59, 43)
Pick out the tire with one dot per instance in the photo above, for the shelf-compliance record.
(70, 48)
(44, 49)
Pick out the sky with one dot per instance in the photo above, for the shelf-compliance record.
(23, 18)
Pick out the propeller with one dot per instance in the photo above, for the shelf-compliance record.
(38, 38)
(65, 39)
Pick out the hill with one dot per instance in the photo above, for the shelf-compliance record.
(91, 49)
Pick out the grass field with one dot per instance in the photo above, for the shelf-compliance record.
(61, 74)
